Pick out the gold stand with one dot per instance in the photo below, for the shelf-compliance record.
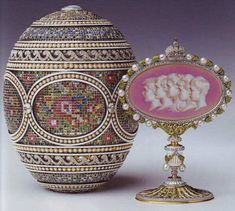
(174, 190)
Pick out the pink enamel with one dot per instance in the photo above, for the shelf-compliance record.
(138, 100)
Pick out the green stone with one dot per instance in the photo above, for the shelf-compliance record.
(142, 120)
(142, 63)
(228, 84)
(220, 111)
(122, 85)
(122, 100)
(130, 72)
(221, 71)
(156, 59)
(208, 119)
(195, 58)
(227, 99)
(209, 63)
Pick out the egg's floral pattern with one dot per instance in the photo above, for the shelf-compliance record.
(69, 108)
(12, 107)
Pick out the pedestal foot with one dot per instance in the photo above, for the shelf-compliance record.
(180, 194)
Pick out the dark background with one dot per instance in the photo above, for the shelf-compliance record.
(204, 27)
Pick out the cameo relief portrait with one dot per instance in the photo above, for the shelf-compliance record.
(176, 92)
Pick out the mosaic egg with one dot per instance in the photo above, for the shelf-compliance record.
(60, 100)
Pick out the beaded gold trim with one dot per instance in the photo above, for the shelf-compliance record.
(73, 187)
(56, 66)
(72, 44)
(72, 169)
(61, 23)
(66, 150)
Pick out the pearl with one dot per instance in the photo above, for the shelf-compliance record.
(125, 78)
(135, 67)
(68, 158)
(203, 61)
(228, 92)
(182, 168)
(166, 167)
(226, 78)
(71, 7)
(216, 68)
(149, 123)
(125, 106)
(148, 61)
(162, 57)
(121, 93)
(189, 57)
(27, 108)
(111, 108)
(200, 123)
(223, 106)
(213, 116)
(136, 117)
(57, 158)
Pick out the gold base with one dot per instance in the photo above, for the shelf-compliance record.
(170, 194)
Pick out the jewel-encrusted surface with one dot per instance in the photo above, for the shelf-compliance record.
(70, 15)
(109, 137)
(67, 66)
(71, 33)
(12, 106)
(69, 108)
(31, 138)
(28, 78)
(128, 124)
(75, 178)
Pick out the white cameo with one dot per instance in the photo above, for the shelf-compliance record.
(177, 92)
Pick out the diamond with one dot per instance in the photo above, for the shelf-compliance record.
(136, 117)
(162, 57)
(189, 57)
(216, 68)
(125, 78)
(203, 61)
(121, 93)
(125, 106)
(135, 67)
(148, 61)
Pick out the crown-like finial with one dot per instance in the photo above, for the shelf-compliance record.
(175, 51)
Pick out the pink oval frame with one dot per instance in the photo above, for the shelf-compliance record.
(136, 100)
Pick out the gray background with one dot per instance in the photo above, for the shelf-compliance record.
(204, 27)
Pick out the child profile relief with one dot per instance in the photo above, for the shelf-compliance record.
(177, 92)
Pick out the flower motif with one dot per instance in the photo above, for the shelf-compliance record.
(52, 122)
(32, 138)
(108, 137)
(63, 106)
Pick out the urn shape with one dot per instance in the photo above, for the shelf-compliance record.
(61, 103)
